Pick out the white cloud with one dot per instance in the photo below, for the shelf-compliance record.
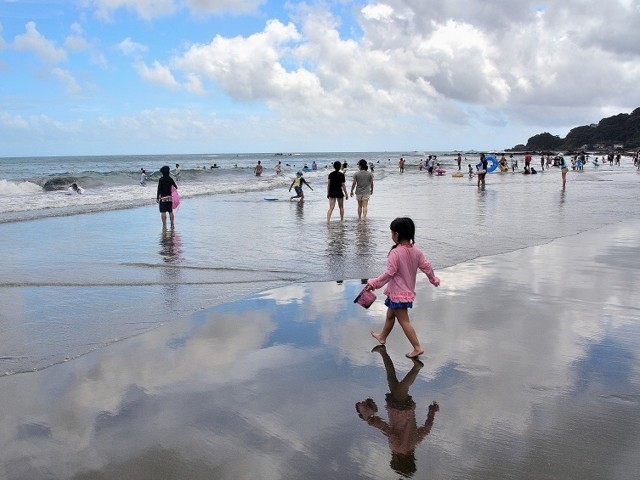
(158, 74)
(146, 9)
(246, 68)
(379, 12)
(13, 121)
(131, 48)
(76, 41)
(153, 9)
(69, 81)
(34, 42)
(194, 85)
(220, 6)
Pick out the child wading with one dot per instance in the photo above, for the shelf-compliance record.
(403, 263)
(297, 185)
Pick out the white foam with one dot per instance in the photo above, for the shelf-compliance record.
(16, 188)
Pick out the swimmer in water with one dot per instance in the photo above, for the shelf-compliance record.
(74, 189)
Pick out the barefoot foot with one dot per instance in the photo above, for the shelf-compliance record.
(378, 337)
(415, 353)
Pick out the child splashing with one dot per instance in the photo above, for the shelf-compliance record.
(403, 262)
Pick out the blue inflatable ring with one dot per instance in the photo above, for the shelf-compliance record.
(493, 163)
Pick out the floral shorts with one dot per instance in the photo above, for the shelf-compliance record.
(397, 305)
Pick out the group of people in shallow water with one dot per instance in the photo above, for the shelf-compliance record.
(361, 188)
(362, 184)
(576, 163)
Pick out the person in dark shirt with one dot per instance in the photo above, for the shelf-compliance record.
(336, 190)
(484, 164)
(164, 197)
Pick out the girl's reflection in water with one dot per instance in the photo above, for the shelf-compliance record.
(402, 430)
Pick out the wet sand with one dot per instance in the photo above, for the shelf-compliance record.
(532, 357)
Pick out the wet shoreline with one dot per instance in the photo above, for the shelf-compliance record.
(530, 356)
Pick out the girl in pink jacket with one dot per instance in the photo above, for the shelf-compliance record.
(403, 263)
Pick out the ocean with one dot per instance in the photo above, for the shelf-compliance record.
(81, 272)
(36, 187)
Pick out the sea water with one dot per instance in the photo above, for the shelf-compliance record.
(80, 272)
(36, 187)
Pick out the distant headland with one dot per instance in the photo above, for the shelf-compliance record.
(617, 133)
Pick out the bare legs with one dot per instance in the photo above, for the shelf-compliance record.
(341, 207)
(362, 208)
(163, 215)
(332, 205)
(402, 315)
(481, 179)
(564, 178)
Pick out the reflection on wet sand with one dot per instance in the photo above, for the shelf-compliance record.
(171, 253)
(265, 387)
(401, 429)
(170, 245)
(299, 211)
(336, 249)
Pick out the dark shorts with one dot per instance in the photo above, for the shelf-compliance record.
(166, 206)
(298, 190)
(397, 305)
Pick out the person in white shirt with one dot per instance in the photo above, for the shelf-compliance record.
(74, 189)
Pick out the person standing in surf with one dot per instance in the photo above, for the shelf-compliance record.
(336, 190)
(483, 170)
(403, 262)
(297, 185)
(258, 169)
(564, 168)
(363, 185)
(164, 197)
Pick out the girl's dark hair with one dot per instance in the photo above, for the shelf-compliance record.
(165, 170)
(337, 165)
(363, 164)
(405, 228)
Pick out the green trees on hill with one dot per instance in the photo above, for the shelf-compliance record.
(618, 131)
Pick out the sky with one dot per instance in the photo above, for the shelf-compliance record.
(118, 77)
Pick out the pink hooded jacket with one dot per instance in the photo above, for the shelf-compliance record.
(403, 263)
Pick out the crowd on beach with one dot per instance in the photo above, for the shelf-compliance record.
(362, 179)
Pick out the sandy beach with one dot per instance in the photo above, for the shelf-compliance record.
(531, 356)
